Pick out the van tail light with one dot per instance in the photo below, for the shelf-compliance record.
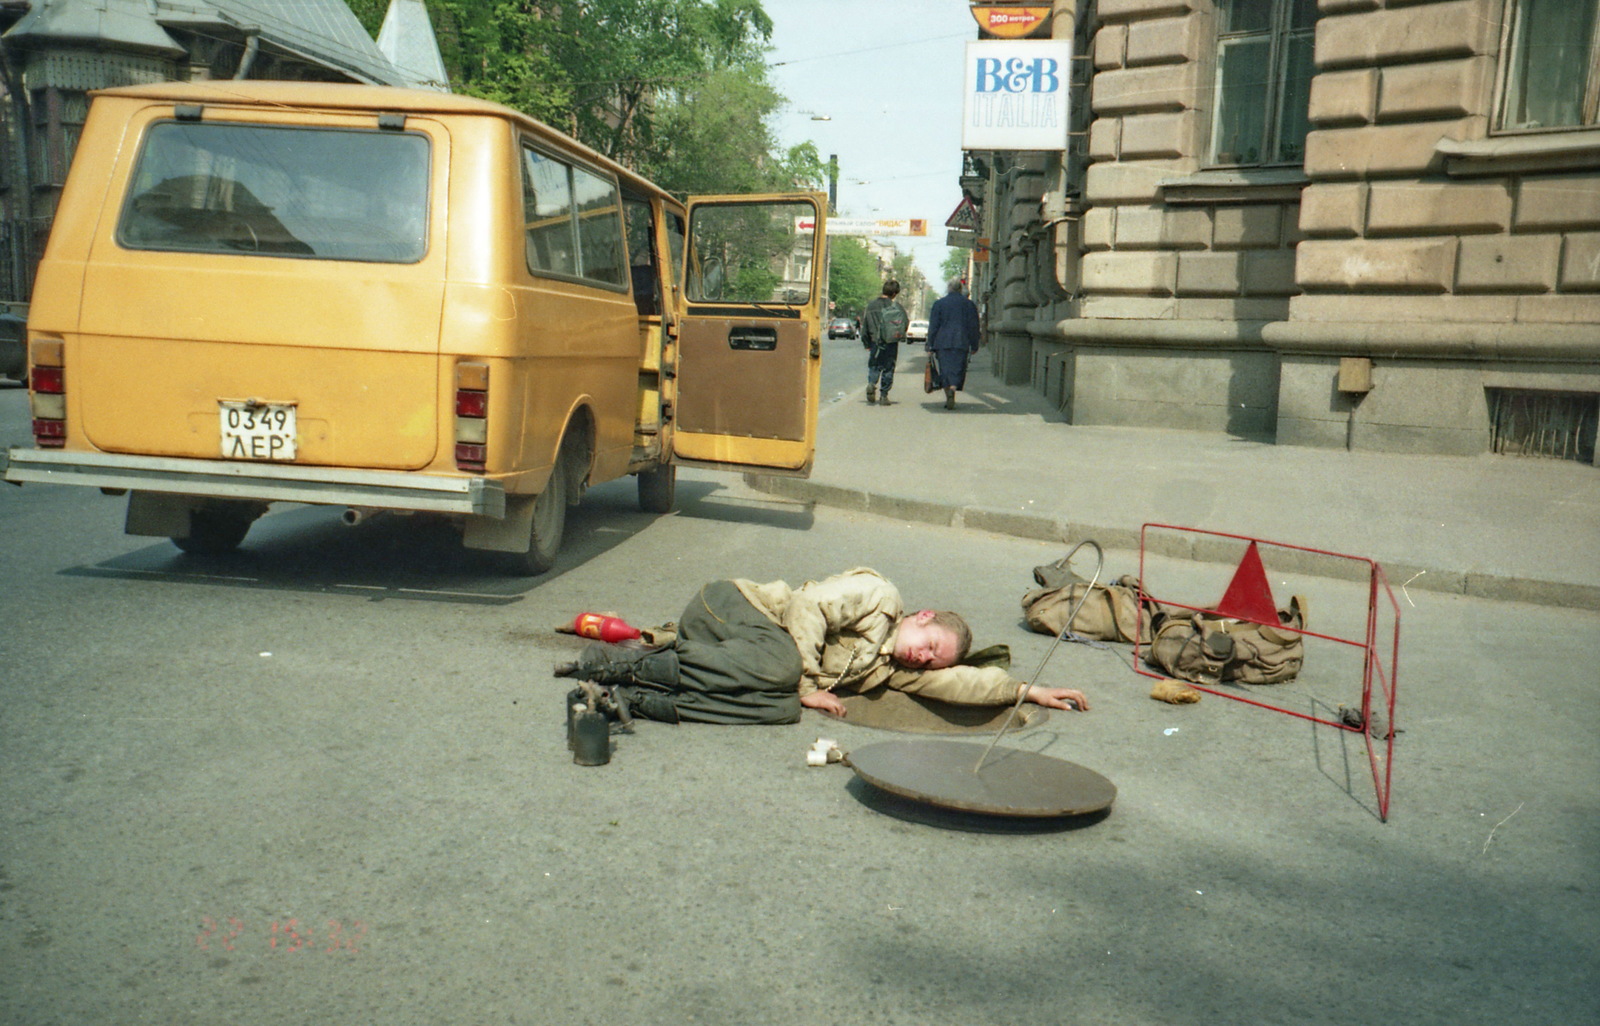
(51, 380)
(47, 393)
(472, 417)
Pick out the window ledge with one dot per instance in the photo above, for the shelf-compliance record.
(1502, 154)
(1245, 185)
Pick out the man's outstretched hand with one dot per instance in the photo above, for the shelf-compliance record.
(824, 701)
(1056, 698)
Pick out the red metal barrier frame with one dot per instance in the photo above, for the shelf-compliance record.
(1379, 673)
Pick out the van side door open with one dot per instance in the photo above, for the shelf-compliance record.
(749, 354)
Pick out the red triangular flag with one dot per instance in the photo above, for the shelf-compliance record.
(1249, 596)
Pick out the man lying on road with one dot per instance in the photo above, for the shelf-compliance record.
(756, 653)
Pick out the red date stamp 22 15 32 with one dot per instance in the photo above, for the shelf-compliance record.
(283, 935)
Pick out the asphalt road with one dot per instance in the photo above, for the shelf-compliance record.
(326, 781)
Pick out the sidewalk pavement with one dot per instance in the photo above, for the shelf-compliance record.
(1495, 527)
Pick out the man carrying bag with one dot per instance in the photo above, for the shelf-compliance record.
(952, 337)
(883, 328)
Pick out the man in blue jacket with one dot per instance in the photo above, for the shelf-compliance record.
(952, 337)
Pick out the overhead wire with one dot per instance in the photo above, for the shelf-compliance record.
(869, 49)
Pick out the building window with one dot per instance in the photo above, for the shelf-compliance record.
(1552, 65)
(1263, 83)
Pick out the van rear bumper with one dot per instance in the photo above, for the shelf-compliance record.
(266, 482)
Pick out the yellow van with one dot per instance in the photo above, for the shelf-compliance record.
(382, 299)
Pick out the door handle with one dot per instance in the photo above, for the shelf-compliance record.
(756, 339)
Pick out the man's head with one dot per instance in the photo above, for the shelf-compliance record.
(954, 285)
(891, 288)
(931, 640)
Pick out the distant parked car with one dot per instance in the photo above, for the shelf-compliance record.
(842, 327)
(917, 331)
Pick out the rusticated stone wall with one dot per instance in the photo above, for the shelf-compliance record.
(1219, 254)
(1454, 258)
(1395, 228)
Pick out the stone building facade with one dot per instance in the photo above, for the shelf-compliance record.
(1363, 224)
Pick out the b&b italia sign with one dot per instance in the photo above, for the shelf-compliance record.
(1016, 95)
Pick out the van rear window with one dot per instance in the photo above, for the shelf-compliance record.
(332, 194)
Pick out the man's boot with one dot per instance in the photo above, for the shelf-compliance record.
(646, 702)
(618, 664)
(883, 400)
(872, 394)
(949, 398)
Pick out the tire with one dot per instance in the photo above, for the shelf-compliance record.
(215, 532)
(658, 489)
(549, 521)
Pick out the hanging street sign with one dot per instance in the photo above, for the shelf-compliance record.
(1016, 94)
(915, 226)
(964, 216)
(1011, 22)
(961, 239)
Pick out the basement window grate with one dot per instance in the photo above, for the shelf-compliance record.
(1550, 425)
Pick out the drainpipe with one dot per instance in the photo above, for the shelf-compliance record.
(1058, 212)
(252, 45)
(24, 259)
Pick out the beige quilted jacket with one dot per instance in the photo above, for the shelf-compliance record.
(844, 627)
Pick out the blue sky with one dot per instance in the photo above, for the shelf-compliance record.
(888, 74)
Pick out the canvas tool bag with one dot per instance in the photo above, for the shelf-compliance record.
(1109, 613)
(1208, 649)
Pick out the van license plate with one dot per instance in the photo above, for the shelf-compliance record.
(257, 431)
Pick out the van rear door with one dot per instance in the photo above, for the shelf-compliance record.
(749, 341)
(268, 285)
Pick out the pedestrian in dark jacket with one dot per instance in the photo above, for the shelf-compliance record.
(883, 327)
(952, 337)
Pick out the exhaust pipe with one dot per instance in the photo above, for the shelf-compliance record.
(358, 515)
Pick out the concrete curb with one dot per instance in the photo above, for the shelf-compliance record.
(1197, 548)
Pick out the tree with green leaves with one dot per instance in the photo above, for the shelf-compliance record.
(853, 280)
(955, 263)
(677, 90)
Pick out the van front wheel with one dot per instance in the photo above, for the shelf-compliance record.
(658, 489)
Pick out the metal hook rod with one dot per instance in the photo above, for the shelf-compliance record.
(1066, 628)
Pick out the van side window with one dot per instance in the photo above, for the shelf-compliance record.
(642, 256)
(675, 246)
(599, 228)
(751, 253)
(547, 215)
(332, 194)
(572, 221)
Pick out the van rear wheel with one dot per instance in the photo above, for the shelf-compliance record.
(548, 523)
(658, 489)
